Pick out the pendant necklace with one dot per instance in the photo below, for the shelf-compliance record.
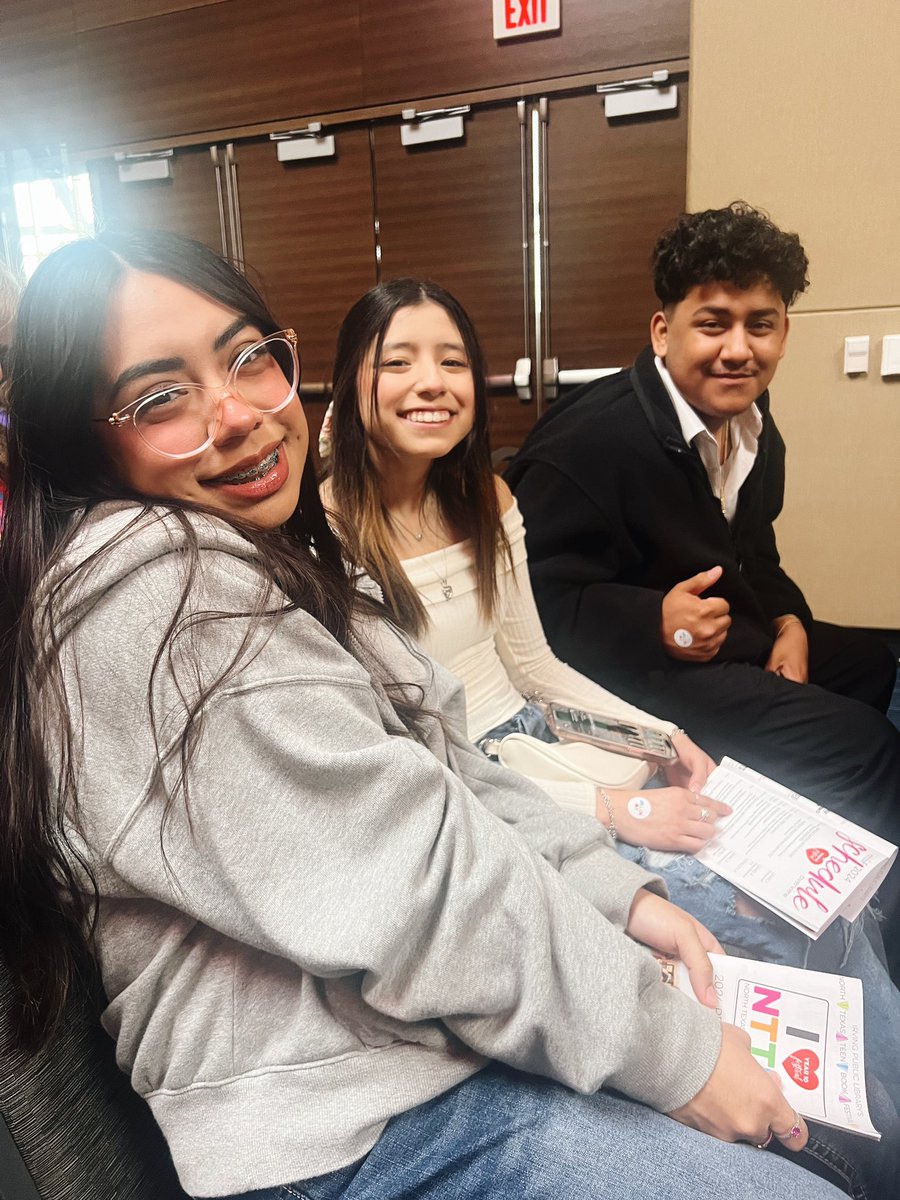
(443, 580)
(446, 585)
(416, 537)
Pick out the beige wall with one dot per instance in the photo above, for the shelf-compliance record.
(794, 107)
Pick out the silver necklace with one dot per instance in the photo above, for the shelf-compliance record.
(443, 580)
(446, 585)
(416, 537)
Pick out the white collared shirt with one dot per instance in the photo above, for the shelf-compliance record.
(725, 478)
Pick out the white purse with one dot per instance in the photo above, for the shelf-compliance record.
(568, 762)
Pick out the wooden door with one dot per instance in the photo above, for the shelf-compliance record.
(308, 237)
(186, 203)
(451, 211)
(308, 244)
(613, 186)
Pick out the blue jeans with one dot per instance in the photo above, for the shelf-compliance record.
(864, 1168)
(506, 1136)
(529, 719)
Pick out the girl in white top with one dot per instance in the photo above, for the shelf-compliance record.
(412, 479)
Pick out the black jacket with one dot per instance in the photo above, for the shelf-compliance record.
(618, 509)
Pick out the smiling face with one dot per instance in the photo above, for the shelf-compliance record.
(425, 396)
(161, 333)
(721, 345)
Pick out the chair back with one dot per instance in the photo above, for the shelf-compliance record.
(71, 1127)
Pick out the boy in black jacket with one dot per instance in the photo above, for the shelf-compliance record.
(649, 500)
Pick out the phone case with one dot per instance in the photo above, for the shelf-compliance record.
(621, 737)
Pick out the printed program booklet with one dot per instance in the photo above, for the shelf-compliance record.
(806, 1026)
(803, 862)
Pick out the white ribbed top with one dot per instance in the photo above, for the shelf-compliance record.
(502, 661)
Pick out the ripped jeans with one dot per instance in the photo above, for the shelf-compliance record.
(529, 719)
(865, 1169)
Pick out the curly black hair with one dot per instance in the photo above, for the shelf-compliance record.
(738, 245)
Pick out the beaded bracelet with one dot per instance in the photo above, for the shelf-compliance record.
(611, 827)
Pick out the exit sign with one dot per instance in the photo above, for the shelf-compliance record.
(518, 18)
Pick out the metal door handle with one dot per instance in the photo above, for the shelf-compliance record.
(586, 375)
(223, 233)
(520, 379)
(554, 378)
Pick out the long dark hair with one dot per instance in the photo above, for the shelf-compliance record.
(462, 482)
(58, 474)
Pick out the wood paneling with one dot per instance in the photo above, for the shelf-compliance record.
(186, 203)
(33, 20)
(40, 96)
(613, 187)
(39, 92)
(510, 419)
(94, 14)
(221, 65)
(454, 47)
(99, 73)
(308, 238)
(156, 69)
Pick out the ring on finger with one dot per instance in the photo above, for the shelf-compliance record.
(704, 814)
(762, 1145)
(795, 1130)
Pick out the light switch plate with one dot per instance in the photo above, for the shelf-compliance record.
(856, 355)
(890, 354)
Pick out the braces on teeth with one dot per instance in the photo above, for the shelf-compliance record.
(254, 472)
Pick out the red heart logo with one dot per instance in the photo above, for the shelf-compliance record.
(817, 855)
(801, 1066)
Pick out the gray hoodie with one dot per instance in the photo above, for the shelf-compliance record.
(345, 922)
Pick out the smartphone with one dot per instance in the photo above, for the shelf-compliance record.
(622, 737)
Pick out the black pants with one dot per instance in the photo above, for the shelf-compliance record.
(826, 739)
(852, 664)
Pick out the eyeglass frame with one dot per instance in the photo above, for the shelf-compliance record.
(122, 416)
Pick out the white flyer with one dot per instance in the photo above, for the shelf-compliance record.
(805, 1026)
(802, 861)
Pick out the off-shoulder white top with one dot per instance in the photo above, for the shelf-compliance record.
(503, 660)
